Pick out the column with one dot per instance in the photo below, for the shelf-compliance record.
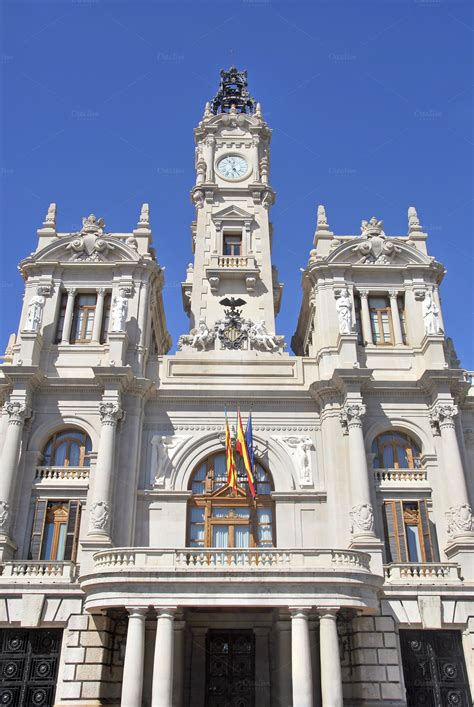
(178, 672)
(99, 313)
(71, 293)
(331, 679)
(301, 658)
(262, 667)
(365, 317)
(144, 314)
(255, 158)
(17, 413)
(99, 512)
(132, 683)
(459, 514)
(362, 513)
(282, 671)
(397, 326)
(162, 688)
(210, 144)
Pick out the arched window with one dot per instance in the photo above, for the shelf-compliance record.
(218, 517)
(68, 448)
(395, 450)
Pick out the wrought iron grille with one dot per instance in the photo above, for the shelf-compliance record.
(230, 668)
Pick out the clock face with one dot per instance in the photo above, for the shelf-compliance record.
(232, 167)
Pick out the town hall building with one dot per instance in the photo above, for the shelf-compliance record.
(132, 572)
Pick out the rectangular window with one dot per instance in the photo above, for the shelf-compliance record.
(407, 532)
(381, 321)
(104, 329)
(55, 530)
(61, 315)
(232, 243)
(83, 319)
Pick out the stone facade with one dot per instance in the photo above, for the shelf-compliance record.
(350, 548)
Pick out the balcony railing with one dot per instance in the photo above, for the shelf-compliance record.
(232, 261)
(61, 472)
(217, 559)
(433, 572)
(405, 475)
(45, 570)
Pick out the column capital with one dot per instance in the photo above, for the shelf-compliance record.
(328, 612)
(352, 413)
(166, 612)
(299, 612)
(443, 414)
(393, 294)
(363, 293)
(137, 610)
(71, 291)
(17, 412)
(110, 412)
(101, 291)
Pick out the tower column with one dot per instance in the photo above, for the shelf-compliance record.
(17, 413)
(397, 326)
(331, 678)
(99, 313)
(162, 688)
(66, 335)
(301, 658)
(100, 510)
(365, 317)
(132, 683)
(362, 513)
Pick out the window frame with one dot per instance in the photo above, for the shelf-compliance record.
(86, 309)
(377, 312)
(413, 451)
(232, 234)
(39, 526)
(215, 498)
(58, 438)
(396, 517)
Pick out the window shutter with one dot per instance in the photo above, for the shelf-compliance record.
(72, 534)
(37, 530)
(425, 529)
(395, 532)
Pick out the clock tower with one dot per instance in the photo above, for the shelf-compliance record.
(232, 233)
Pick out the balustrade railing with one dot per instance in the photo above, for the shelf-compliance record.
(410, 475)
(40, 569)
(61, 472)
(422, 571)
(228, 559)
(232, 261)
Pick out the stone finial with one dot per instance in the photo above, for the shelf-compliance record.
(258, 110)
(371, 228)
(144, 220)
(322, 221)
(50, 218)
(414, 225)
(207, 110)
(92, 224)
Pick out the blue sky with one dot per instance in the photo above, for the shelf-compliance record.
(370, 104)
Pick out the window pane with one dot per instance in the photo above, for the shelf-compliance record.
(197, 487)
(89, 324)
(242, 536)
(47, 541)
(59, 457)
(378, 302)
(375, 327)
(241, 513)
(86, 300)
(74, 454)
(197, 515)
(413, 540)
(402, 457)
(220, 536)
(388, 457)
(61, 542)
(264, 515)
(221, 512)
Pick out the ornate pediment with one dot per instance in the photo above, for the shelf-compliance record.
(373, 247)
(232, 213)
(88, 246)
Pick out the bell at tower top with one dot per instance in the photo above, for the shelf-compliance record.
(233, 92)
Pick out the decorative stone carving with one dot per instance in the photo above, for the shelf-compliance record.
(89, 246)
(163, 451)
(4, 516)
(362, 517)
(352, 414)
(200, 338)
(414, 225)
(110, 412)
(344, 310)
(17, 412)
(375, 249)
(198, 198)
(430, 314)
(99, 516)
(119, 311)
(442, 415)
(322, 224)
(301, 448)
(144, 221)
(460, 520)
(34, 314)
(262, 340)
(50, 218)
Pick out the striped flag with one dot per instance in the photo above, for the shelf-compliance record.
(229, 458)
(241, 448)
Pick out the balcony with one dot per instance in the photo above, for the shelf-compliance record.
(232, 267)
(422, 573)
(59, 473)
(412, 477)
(230, 577)
(45, 571)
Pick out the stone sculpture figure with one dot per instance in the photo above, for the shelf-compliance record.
(430, 314)
(262, 340)
(34, 314)
(302, 447)
(199, 338)
(163, 449)
(119, 312)
(344, 310)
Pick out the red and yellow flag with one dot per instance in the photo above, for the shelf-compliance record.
(229, 458)
(241, 448)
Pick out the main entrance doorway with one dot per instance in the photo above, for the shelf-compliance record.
(434, 669)
(29, 666)
(230, 668)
